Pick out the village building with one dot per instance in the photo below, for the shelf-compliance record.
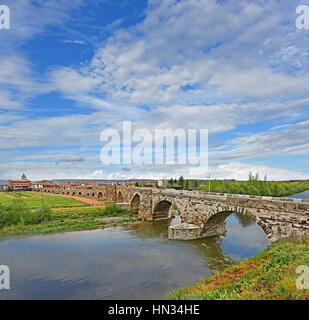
(4, 186)
(22, 184)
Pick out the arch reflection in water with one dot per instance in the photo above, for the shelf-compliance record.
(243, 239)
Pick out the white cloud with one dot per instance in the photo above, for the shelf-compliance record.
(91, 170)
(290, 140)
(73, 82)
(240, 171)
(154, 61)
(75, 41)
(188, 64)
(29, 18)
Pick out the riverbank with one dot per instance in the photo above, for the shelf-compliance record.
(270, 275)
(73, 219)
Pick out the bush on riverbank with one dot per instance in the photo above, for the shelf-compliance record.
(112, 210)
(17, 212)
(270, 275)
(18, 219)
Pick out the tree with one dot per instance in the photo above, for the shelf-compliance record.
(265, 177)
(195, 184)
(250, 176)
(187, 185)
(257, 177)
(181, 181)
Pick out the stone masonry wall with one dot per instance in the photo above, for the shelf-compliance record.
(278, 217)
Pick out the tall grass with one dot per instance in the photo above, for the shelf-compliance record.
(270, 275)
(112, 209)
(17, 212)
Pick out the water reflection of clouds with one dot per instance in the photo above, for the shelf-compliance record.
(243, 241)
(124, 263)
(114, 267)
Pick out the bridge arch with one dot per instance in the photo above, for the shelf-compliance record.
(222, 213)
(80, 194)
(73, 193)
(120, 197)
(100, 195)
(93, 194)
(135, 203)
(162, 209)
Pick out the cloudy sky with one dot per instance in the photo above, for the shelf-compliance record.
(70, 69)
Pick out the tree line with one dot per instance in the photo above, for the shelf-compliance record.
(253, 186)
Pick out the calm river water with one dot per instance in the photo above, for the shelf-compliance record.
(301, 195)
(135, 262)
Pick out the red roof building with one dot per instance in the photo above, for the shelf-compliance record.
(20, 184)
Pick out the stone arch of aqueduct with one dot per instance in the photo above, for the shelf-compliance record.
(203, 214)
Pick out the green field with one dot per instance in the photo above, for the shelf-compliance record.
(35, 200)
(18, 219)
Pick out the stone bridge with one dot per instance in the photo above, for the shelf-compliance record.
(203, 214)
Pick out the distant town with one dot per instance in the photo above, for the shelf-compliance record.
(24, 184)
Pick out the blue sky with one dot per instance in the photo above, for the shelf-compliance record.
(70, 69)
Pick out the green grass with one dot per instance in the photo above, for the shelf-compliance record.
(17, 219)
(269, 275)
(66, 225)
(34, 200)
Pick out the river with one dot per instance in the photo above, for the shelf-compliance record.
(302, 195)
(133, 262)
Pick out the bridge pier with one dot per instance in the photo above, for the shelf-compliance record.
(190, 231)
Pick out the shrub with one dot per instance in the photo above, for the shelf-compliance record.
(17, 212)
(43, 214)
(113, 209)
